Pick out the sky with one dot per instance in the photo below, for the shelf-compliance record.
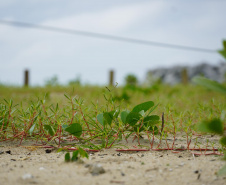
(194, 23)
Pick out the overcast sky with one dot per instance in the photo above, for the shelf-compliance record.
(195, 23)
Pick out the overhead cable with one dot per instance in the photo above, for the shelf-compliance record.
(103, 36)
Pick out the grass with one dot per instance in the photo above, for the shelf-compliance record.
(91, 117)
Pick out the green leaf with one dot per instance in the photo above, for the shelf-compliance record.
(151, 120)
(75, 156)
(115, 113)
(49, 129)
(100, 118)
(209, 84)
(83, 153)
(5, 123)
(213, 126)
(223, 53)
(108, 117)
(67, 97)
(64, 126)
(124, 114)
(222, 171)
(224, 45)
(67, 157)
(152, 109)
(132, 118)
(74, 129)
(223, 141)
(30, 131)
(143, 106)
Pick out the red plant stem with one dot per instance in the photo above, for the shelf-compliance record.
(106, 143)
(159, 142)
(153, 138)
(13, 128)
(128, 150)
(60, 130)
(22, 138)
(72, 118)
(46, 114)
(137, 138)
(174, 131)
(114, 140)
(188, 142)
(85, 121)
(167, 144)
(148, 137)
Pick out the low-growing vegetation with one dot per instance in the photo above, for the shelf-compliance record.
(86, 118)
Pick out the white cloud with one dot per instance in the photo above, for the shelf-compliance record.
(111, 20)
(49, 53)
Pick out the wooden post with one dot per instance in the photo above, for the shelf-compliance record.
(26, 78)
(111, 80)
(184, 76)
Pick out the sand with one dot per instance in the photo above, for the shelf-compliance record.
(32, 165)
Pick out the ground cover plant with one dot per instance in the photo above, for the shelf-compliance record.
(155, 127)
(216, 125)
(75, 119)
(74, 122)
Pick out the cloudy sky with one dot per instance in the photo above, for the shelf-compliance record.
(195, 23)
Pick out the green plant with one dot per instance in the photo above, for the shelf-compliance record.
(76, 81)
(131, 80)
(52, 81)
(215, 125)
(76, 155)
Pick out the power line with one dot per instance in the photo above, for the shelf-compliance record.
(103, 36)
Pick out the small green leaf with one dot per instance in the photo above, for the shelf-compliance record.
(224, 45)
(223, 141)
(151, 120)
(67, 96)
(49, 129)
(67, 157)
(223, 53)
(100, 118)
(213, 85)
(74, 129)
(143, 106)
(132, 118)
(30, 131)
(115, 113)
(213, 126)
(108, 116)
(222, 171)
(83, 153)
(75, 156)
(124, 114)
(64, 126)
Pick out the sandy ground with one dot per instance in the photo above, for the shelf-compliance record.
(27, 165)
